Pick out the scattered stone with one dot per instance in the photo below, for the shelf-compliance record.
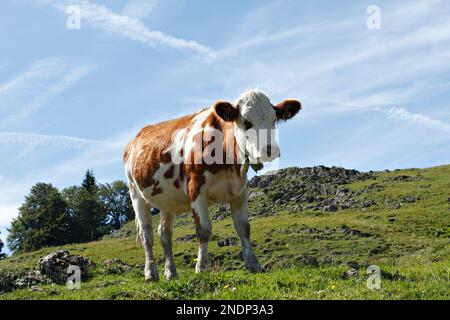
(407, 178)
(353, 232)
(227, 242)
(30, 278)
(310, 230)
(350, 273)
(221, 212)
(55, 264)
(409, 199)
(330, 208)
(186, 238)
(367, 203)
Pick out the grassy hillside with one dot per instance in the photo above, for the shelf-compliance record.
(309, 227)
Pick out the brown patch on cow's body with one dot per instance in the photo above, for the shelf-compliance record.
(195, 169)
(152, 146)
(156, 190)
(229, 144)
(169, 173)
(195, 183)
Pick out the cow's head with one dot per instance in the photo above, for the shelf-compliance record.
(255, 118)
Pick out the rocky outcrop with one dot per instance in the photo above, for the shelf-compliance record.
(55, 264)
(314, 188)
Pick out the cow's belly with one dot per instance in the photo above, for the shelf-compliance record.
(221, 187)
(170, 199)
(167, 195)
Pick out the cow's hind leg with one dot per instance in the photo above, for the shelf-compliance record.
(203, 229)
(239, 213)
(144, 224)
(165, 234)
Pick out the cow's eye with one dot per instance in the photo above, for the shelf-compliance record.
(247, 124)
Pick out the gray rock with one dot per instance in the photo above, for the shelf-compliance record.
(55, 264)
(350, 273)
(330, 208)
(228, 242)
(409, 199)
(186, 238)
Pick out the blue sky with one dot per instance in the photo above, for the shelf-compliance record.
(71, 99)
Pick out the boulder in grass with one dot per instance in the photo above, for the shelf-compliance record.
(55, 264)
(350, 273)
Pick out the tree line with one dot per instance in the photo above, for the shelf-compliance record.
(49, 217)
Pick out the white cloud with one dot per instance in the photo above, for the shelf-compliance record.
(33, 139)
(32, 89)
(139, 8)
(128, 27)
(418, 118)
(7, 213)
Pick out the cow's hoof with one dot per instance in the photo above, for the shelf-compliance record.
(170, 273)
(153, 278)
(151, 275)
(200, 268)
(254, 268)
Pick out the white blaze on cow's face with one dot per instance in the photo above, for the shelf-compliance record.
(255, 118)
(257, 121)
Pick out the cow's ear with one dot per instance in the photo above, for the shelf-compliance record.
(287, 109)
(226, 111)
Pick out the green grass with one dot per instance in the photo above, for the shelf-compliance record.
(409, 244)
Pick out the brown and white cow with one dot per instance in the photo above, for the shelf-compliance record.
(190, 163)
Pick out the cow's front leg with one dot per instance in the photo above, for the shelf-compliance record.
(239, 213)
(165, 235)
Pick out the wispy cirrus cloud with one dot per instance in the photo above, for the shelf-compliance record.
(129, 27)
(418, 118)
(34, 140)
(139, 8)
(32, 89)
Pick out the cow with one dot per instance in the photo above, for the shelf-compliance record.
(190, 163)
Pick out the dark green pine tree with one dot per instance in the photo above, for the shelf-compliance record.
(86, 211)
(42, 221)
(89, 183)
